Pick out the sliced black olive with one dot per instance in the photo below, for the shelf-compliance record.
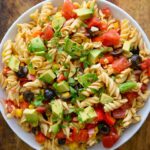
(49, 94)
(136, 60)
(117, 52)
(78, 86)
(135, 51)
(28, 96)
(104, 128)
(61, 141)
(23, 71)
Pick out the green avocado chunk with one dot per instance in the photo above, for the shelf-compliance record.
(14, 63)
(93, 56)
(31, 116)
(36, 45)
(54, 128)
(84, 13)
(106, 98)
(57, 108)
(47, 76)
(61, 87)
(87, 114)
(125, 87)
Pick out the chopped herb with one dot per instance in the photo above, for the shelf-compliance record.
(71, 81)
(67, 118)
(86, 79)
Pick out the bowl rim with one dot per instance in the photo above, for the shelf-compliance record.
(111, 5)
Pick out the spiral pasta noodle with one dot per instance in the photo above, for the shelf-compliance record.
(113, 90)
(125, 30)
(114, 105)
(90, 90)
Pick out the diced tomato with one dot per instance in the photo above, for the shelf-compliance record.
(145, 64)
(61, 78)
(120, 64)
(110, 38)
(36, 33)
(24, 105)
(119, 113)
(148, 71)
(40, 138)
(109, 119)
(60, 135)
(67, 10)
(106, 11)
(103, 26)
(106, 60)
(10, 105)
(81, 136)
(130, 96)
(95, 22)
(90, 126)
(48, 33)
(5, 70)
(41, 109)
(100, 114)
(109, 140)
(144, 88)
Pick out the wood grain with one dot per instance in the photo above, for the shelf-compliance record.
(10, 10)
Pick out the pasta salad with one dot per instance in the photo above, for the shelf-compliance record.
(75, 75)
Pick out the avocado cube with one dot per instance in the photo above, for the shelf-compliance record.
(126, 46)
(54, 128)
(84, 13)
(14, 63)
(106, 99)
(40, 53)
(47, 76)
(93, 56)
(61, 87)
(31, 116)
(36, 45)
(57, 108)
(87, 114)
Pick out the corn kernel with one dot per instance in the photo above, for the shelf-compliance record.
(18, 113)
(31, 106)
(73, 146)
(21, 98)
(116, 25)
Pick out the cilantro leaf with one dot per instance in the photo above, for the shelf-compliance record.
(86, 79)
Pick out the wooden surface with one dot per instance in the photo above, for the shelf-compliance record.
(10, 10)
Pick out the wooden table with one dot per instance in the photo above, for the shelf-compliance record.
(10, 10)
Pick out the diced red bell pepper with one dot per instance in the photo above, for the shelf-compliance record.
(81, 136)
(48, 33)
(61, 78)
(60, 135)
(24, 105)
(100, 114)
(40, 137)
(10, 105)
(90, 126)
(109, 119)
(109, 140)
(106, 11)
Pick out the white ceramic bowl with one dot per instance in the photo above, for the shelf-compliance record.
(29, 138)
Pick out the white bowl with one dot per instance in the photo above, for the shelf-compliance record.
(29, 138)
